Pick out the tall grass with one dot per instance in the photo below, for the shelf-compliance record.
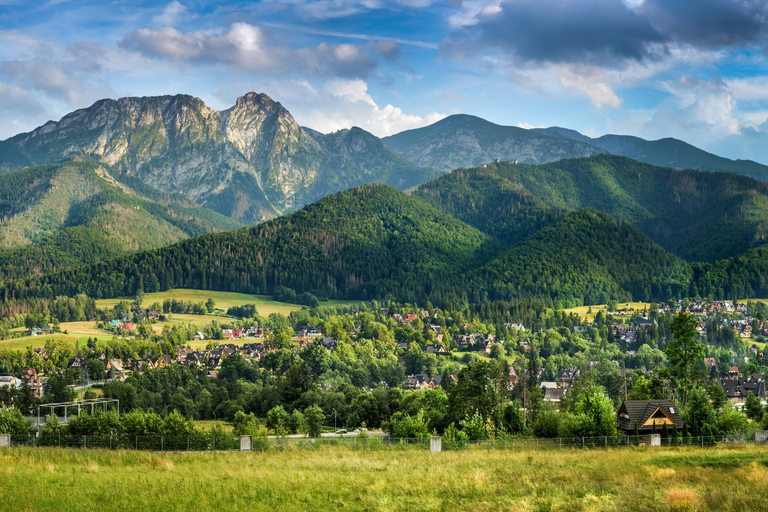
(341, 479)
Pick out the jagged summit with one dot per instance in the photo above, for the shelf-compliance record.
(251, 161)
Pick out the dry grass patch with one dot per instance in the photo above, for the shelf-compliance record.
(682, 500)
(162, 464)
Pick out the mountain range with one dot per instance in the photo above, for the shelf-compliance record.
(137, 174)
(250, 162)
(467, 141)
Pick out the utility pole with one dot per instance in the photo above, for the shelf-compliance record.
(624, 371)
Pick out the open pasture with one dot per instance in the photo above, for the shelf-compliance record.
(224, 300)
(677, 479)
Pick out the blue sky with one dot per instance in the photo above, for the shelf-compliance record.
(691, 69)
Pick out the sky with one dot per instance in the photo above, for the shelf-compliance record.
(690, 69)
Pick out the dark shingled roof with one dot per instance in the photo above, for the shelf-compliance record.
(641, 410)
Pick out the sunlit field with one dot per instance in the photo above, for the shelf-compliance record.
(682, 479)
(224, 300)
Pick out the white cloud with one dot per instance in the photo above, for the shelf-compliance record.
(333, 105)
(471, 11)
(351, 105)
(246, 47)
(529, 126)
(591, 82)
(172, 14)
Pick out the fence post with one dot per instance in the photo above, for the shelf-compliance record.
(137, 442)
(537, 444)
(85, 442)
(489, 444)
(583, 443)
(187, 443)
(110, 441)
(214, 443)
(561, 444)
(162, 438)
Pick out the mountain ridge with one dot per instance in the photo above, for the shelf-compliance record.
(466, 141)
(252, 155)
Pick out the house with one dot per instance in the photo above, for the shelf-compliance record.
(13, 382)
(566, 378)
(554, 395)
(117, 364)
(76, 363)
(114, 323)
(126, 326)
(199, 336)
(433, 349)
(736, 389)
(646, 414)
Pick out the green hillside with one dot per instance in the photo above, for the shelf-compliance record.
(667, 152)
(376, 242)
(61, 216)
(498, 207)
(700, 216)
(365, 242)
(586, 256)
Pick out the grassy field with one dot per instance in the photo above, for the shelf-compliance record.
(224, 300)
(75, 331)
(583, 311)
(690, 479)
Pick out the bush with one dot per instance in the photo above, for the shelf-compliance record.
(474, 427)
(277, 420)
(403, 425)
(547, 424)
(52, 430)
(245, 424)
(314, 418)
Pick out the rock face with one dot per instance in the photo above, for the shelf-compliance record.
(250, 162)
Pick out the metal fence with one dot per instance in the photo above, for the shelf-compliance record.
(232, 443)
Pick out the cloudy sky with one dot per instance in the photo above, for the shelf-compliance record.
(691, 69)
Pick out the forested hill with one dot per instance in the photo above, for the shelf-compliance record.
(375, 241)
(700, 216)
(587, 256)
(62, 216)
(366, 242)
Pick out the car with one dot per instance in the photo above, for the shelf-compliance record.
(341, 431)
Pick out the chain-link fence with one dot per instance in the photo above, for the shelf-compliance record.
(201, 443)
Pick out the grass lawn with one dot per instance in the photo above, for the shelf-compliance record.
(583, 311)
(224, 300)
(681, 479)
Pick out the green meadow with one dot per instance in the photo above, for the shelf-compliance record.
(224, 300)
(626, 479)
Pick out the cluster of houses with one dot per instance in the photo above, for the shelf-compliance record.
(28, 376)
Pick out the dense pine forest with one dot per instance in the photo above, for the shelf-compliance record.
(580, 231)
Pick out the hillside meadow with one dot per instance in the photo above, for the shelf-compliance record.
(721, 479)
(224, 300)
